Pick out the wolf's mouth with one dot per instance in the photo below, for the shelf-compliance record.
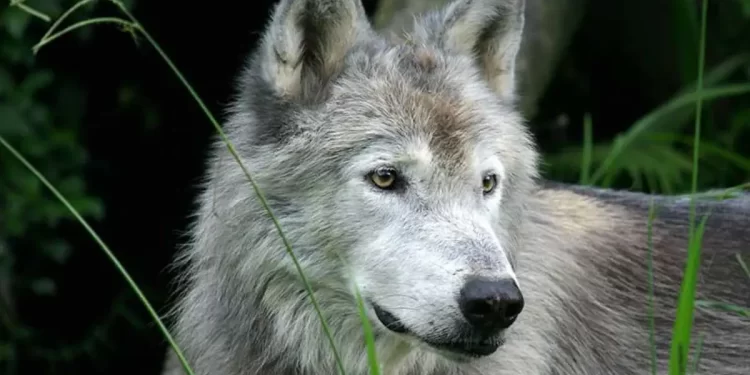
(389, 320)
(474, 349)
(470, 348)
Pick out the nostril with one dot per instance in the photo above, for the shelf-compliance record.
(480, 308)
(491, 304)
(514, 309)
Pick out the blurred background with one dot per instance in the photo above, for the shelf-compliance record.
(100, 114)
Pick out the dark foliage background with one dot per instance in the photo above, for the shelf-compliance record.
(108, 123)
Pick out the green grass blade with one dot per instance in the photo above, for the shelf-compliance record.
(684, 34)
(20, 5)
(718, 150)
(651, 302)
(85, 23)
(722, 194)
(588, 146)
(103, 246)
(685, 306)
(698, 350)
(256, 188)
(372, 357)
(64, 16)
(135, 26)
(683, 325)
(743, 265)
(720, 72)
(680, 118)
(723, 306)
(643, 125)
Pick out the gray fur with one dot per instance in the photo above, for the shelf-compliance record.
(324, 101)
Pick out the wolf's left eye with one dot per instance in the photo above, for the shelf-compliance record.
(384, 178)
(489, 181)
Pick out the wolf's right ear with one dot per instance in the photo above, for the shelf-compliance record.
(306, 42)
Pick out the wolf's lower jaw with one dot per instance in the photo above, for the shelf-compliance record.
(465, 351)
(458, 350)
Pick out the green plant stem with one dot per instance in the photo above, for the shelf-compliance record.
(93, 21)
(588, 146)
(680, 347)
(65, 15)
(135, 25)
(99, 241)
(372, 356)
(20, 5)
(698, 350)
(257, 190)
(743, 265)
(651, 304)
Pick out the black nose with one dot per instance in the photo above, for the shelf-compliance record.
(491, 305)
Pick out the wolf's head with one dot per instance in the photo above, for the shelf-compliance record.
(400, 166)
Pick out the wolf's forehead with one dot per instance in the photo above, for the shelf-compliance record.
(406, 116)
(416, 95)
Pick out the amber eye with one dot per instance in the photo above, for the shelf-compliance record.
(489, 182)
(384, 178)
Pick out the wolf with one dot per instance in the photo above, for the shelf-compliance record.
(401, 171)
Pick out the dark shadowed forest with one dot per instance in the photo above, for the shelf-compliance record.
(105, 120)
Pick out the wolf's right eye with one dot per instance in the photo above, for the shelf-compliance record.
(384, 178)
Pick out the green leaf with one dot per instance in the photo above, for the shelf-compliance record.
(662, 166)
(87, 206)
(44, 286)
(740, 121)
(71, 186)
(12, 122)
(39, 115)
(58, 250)
(14, 52)
(745, 8)
(72, 98)
(15, 21)
(707, 148)
(718, 74)
(36, 81)
(6, 82)
(684, 22)
(650, 122)
(13, 228)
(28, 185)
(34, 147)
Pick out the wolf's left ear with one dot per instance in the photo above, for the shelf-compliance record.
(490, 31)
(306, 42)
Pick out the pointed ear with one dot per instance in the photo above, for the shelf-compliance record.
(306, 42)
(490, 31)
